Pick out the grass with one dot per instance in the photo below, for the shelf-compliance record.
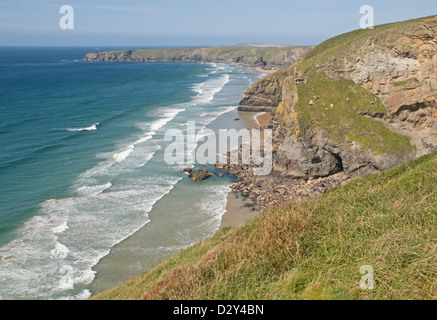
(315, 249)
(345, 42)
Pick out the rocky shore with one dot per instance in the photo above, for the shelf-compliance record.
(275, 189)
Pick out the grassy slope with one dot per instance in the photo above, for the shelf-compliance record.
(315, 249)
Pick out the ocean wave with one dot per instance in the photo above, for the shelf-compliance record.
(59, 259)
(213, 115)
(93, 190)
(121, 156)
(61, 228)
(151, 128)
(148, 157)
(168, 116)
(208, 89)
(84, 295)
(90, 128)
(60, 251)
(214, 205)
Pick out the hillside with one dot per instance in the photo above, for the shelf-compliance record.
(268, 58)
(361, 102)
(315, 249)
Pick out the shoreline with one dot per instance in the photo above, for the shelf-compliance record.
(277, 189)
(172, 228)
(238, 210)
(261, 70)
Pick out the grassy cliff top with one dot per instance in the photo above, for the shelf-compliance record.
(315, 249)
(345, 42)
(338, 103)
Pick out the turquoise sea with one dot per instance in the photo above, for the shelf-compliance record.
(82, 170)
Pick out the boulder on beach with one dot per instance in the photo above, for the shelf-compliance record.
(188, 170)
(200, 175)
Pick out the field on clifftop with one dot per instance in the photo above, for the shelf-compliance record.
(315, 249)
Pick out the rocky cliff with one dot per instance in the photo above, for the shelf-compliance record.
(266, 94)
(267, 58)
(360, 103)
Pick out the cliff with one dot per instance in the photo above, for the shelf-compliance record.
(361, 102)
(267, 58)
(266, 94)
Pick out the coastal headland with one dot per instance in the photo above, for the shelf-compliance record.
(261, 58)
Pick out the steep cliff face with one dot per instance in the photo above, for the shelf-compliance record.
(268, 58)
(266, 94)
(361, 102)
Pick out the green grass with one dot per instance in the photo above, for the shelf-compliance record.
(315, 249)
(345, 42)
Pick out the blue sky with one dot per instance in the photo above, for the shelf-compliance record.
(193, 22)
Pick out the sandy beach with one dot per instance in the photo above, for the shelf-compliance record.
(236, 213)
(264, 119)
(261, 70)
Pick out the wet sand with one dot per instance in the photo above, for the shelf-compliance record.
(264, 119)
(236, 214)
(261, 70)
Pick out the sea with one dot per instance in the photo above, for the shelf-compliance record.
(86, 198)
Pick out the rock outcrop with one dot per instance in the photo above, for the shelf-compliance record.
(266, 94)
(359, 103)
(200, 175)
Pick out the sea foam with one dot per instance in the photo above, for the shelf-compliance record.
(90, 128)
(208, 89)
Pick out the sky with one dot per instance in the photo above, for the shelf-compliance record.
(193, 22)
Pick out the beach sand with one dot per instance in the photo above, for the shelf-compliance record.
(261, 70)
(236, 214)
(264, 119)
